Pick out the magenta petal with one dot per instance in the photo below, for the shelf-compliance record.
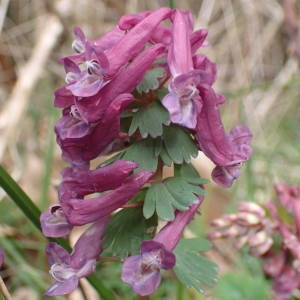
(92, 109)
(197, 39)
(80, 212)
(88, 246)
(78, 183)
(167, 258)
(63, 97)
(1, 257)
(81, 142)
(79, 34)
(170, 234)
(180, 55)
(70, 66)
(108, 40)
(143, 283)
(222, 149)
(224, 176)
(185, 115)
(128, 21)
(62, 288)
(87, 85)
(57, 254)
(53, 222)
(201, 62)
(135, 40)
(227, 151)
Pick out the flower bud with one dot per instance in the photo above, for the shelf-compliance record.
(253, 208)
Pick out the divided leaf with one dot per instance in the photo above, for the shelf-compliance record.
(158, 198)
(173, 193)
(188, 172)
(150, 80)
(125, 232)
(149, 120)
(178, 144)
(142, 152)
(191, 268)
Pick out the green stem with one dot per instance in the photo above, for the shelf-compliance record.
(20, 198)
(180, 291)
(32, 212)
(171, 3)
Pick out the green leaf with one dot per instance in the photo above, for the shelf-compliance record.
(173, 193)
(242, 285)
(112, 159)
(188, 172)
(150, 80)
(161, 93)
(167, 160)
(149, 120)
(192, 269)
(125, 232)
(158, 198)
(142, 152)
(182, 191)
(179, 144)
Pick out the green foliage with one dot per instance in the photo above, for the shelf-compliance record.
(142, 152)
(242, 285)
(125, 232)
(149, 120)
(174, 146)
(188, 172)
(178, 145)
(150, 80)
(193, 269)
(173, 193)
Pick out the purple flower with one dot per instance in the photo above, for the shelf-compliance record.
(54, 223)
(142, 271)
(135, 40)
(67, 269)
(183, 101)
(101, 60)
(80, 212)
(93, 108)
(78, 183)
(227, 151)
(89, 81)
(81, 142)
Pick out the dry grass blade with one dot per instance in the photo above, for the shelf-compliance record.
(27, 79)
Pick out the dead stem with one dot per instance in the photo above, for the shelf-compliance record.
(132, 205)
(111, 258)
(4, 290)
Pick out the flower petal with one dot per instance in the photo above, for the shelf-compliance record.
(80, 212)
(88, 247)
(141, 282)
(57, 254)
(78, 183)
(63, 288)
(53, 222)
(93, 108)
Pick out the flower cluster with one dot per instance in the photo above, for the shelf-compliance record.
(100, 102)
(272, 234)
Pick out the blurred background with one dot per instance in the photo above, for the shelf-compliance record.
(256, 45)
